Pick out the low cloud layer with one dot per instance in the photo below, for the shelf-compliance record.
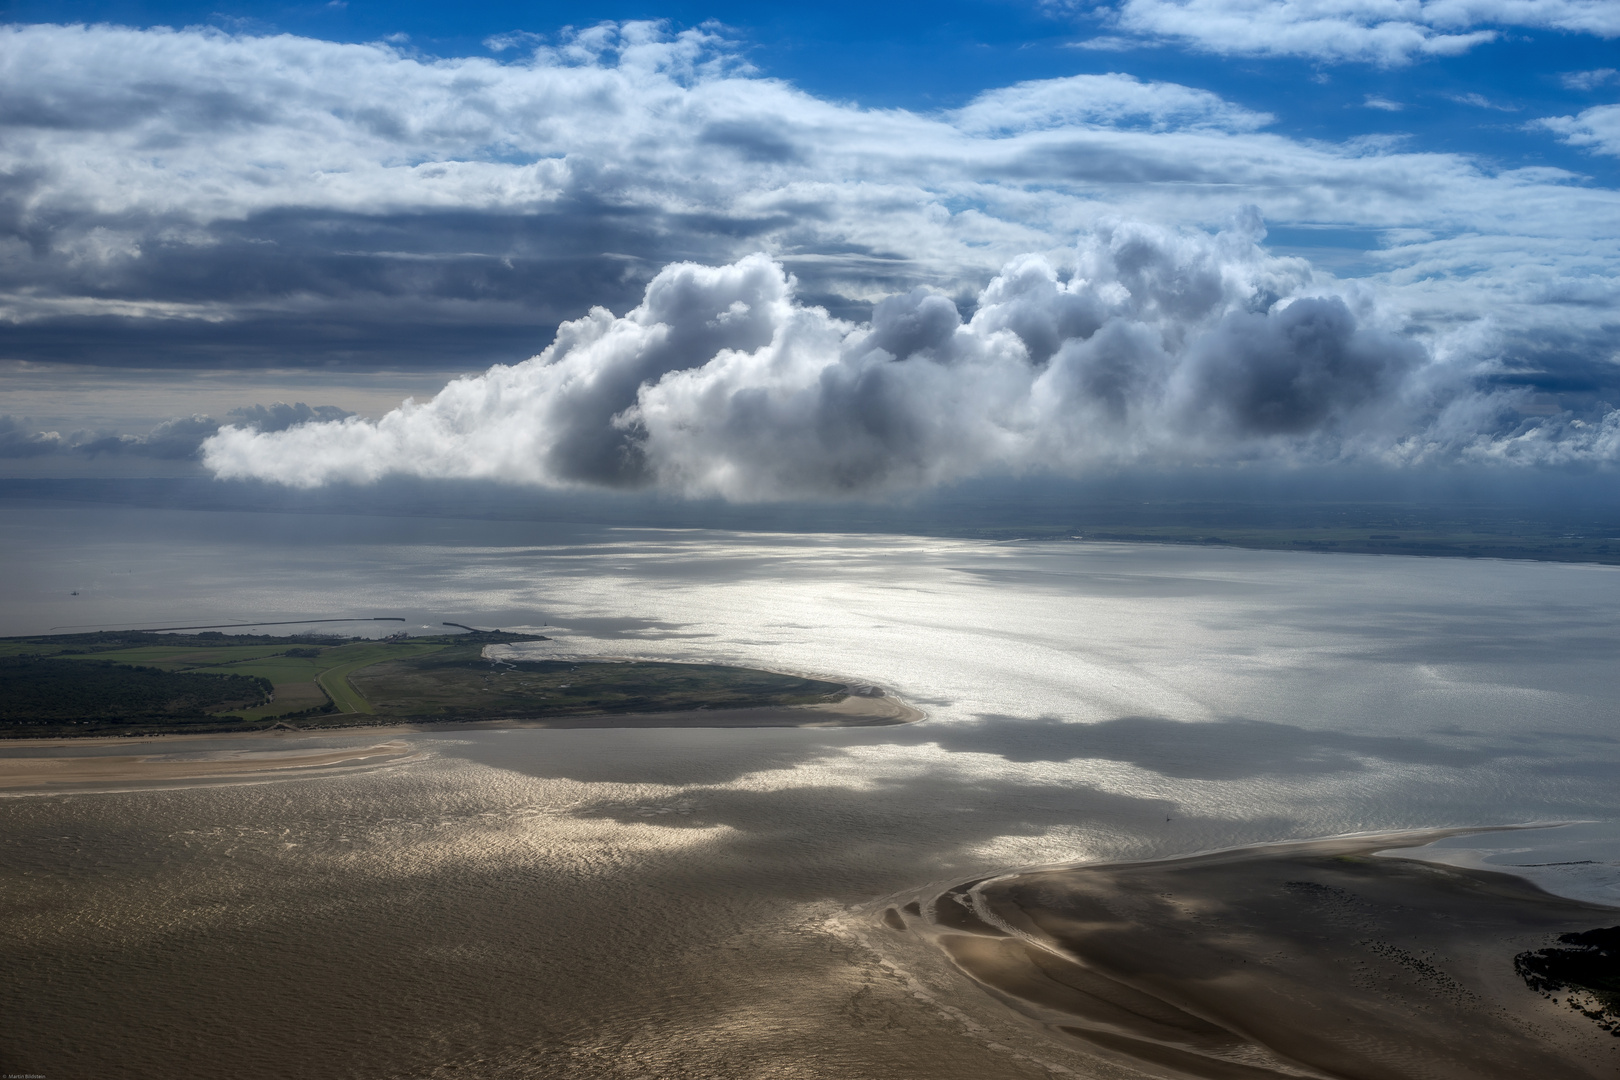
(177, 439)
(1162, 346)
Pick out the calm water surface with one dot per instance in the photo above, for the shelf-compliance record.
(677, 903)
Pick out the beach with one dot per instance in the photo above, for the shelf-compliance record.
(66, 770)
(38, 766)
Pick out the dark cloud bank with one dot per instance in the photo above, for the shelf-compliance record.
(179, 439)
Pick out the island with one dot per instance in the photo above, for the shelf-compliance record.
(147, 683)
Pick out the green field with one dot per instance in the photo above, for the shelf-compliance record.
(458, 683)
(141, 683)
(305, 677)
(55, 690)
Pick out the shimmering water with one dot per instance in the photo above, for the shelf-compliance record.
(657, 903)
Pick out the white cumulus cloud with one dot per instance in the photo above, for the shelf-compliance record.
(1597, 129)
(1161, 346)
(1111, 100)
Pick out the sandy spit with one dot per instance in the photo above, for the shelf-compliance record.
(1313, 959)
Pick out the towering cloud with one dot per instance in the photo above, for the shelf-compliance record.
(1160, 346)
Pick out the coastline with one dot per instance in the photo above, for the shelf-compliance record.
(42, 773)
(1317, 958)
(855, 710)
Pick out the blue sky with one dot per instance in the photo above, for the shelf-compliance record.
(996, 237)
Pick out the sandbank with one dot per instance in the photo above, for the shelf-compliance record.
(31, 772)
(34, 775)
(1313, 959)
(855, 710)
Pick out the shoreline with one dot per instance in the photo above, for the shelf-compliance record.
(856, 710)
(1316, 958)
(86, 773)
(39, 774)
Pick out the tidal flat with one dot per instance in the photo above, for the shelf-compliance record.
(699, 902)
(1322, 958)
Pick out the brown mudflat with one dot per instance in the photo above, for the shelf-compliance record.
(78, 771)
(1313, 959)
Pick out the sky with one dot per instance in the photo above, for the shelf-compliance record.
(829, 252)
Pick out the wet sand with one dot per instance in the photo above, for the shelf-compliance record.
(79, 771)
(1310, 959)
(76, 770)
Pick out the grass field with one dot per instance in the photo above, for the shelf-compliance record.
(333, 681)
(457, 683)
(344, 661)
(327, 668)
(308, 674)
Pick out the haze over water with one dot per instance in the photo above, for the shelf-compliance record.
(634, 902)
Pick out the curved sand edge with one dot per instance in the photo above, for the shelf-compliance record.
(855, 710)
(45, 774)
(1311, 959)
(81, 772)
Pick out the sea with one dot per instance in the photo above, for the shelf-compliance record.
(678, 902)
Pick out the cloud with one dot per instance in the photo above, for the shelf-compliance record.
(1597, 129)
(1375, 102)
(513, 39)
(1162, 347)
(1106, 43)
(1368, 31)
(17, 441)
(1102, 100)
(176, 439)
(1480, 101)
(279, 416)
(172, 440)
(1291, 372)
(276, 201)
(1589, 80)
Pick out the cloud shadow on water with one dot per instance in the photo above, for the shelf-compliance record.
(1230, 749)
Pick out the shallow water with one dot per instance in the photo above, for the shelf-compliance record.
(667, 902)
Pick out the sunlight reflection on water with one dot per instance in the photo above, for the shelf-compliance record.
(591, 902)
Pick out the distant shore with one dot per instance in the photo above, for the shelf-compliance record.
(1312, 958)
